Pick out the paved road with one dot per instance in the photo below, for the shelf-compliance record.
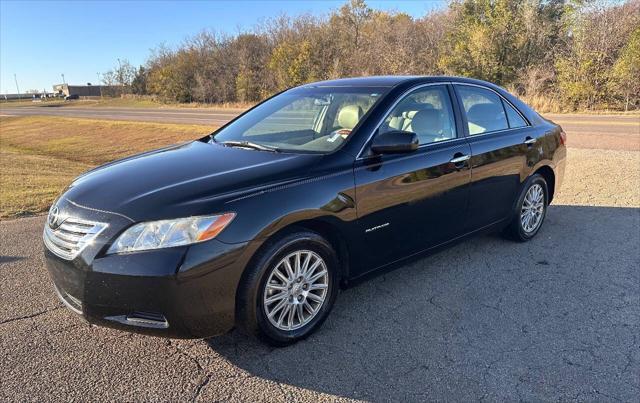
(615, 132)
(610, 132)
(554, 319)
(202, 116)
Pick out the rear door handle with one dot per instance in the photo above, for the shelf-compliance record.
(460, 159)
(529, 141)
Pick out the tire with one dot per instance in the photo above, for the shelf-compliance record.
(251, 305)
(519, 229)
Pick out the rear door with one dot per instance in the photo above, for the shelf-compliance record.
(500, 138)
(408, 202)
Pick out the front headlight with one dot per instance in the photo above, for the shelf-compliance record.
(168, 233)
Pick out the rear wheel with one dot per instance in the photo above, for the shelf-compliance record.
(530, 211)
(290, 288)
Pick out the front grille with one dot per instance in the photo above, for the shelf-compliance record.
(71, 236)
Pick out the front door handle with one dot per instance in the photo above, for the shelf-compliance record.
(529, 141)
(460, 159)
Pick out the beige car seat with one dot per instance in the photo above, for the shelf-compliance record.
(428, 125)
(349, 116)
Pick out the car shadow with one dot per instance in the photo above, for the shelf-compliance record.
(485, 319)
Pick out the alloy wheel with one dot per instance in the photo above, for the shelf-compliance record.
(295, 290)
(532, 209)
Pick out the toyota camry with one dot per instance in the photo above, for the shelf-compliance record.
(259, 224)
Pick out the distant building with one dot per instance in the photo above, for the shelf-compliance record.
(11, 97)
(87, 90)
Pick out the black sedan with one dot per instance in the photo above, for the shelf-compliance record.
(260, 223)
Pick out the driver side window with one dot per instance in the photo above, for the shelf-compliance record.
(427, 112)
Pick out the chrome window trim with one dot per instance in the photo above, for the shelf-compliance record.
(390, 109)
(454, 83)
(473, 136)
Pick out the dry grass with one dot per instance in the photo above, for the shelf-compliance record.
(39, 156)
(29, 183)
(543, 104)
(90, 141)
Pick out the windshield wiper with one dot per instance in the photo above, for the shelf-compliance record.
(249, 144)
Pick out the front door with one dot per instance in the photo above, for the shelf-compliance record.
(409, 202)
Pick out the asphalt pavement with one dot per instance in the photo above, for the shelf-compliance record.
(557, 318)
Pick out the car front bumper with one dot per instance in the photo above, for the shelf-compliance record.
(184, 292)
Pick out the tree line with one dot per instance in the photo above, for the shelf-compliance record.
(555, 54)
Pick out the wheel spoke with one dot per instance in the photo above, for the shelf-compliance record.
(276, 287)
(284, 313)
(317, 276)
(314, 297)
(305, 265)
(313, 267)
(297, 265)
(277, 308)
(308, 307)
(276, 297)
(287, 266)
(529, 218)
(318, 287)
(292, 313)
(300, 313)
(281, 276)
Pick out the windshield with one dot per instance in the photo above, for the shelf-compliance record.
(303, 119)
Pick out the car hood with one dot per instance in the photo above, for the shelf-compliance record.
(189, 179)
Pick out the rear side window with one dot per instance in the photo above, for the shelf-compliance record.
(484, 110)
(515, 120)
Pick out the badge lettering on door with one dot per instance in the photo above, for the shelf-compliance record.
(377, 227)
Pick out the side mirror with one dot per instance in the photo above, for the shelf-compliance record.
(395, 142)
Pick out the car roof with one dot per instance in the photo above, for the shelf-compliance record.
(392, 81)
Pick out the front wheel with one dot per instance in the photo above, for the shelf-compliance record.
(530, 211)
(290, 288)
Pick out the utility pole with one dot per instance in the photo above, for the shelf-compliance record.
(99, 84)
(63, 82)
(16, 80)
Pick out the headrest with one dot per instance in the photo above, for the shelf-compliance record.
(409, 114)
(413, 108)
(427, 121)
(486, 111)
(349, 116)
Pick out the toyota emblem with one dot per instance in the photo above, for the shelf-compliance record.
(54, 215)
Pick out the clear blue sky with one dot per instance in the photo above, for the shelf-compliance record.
(39, 40)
